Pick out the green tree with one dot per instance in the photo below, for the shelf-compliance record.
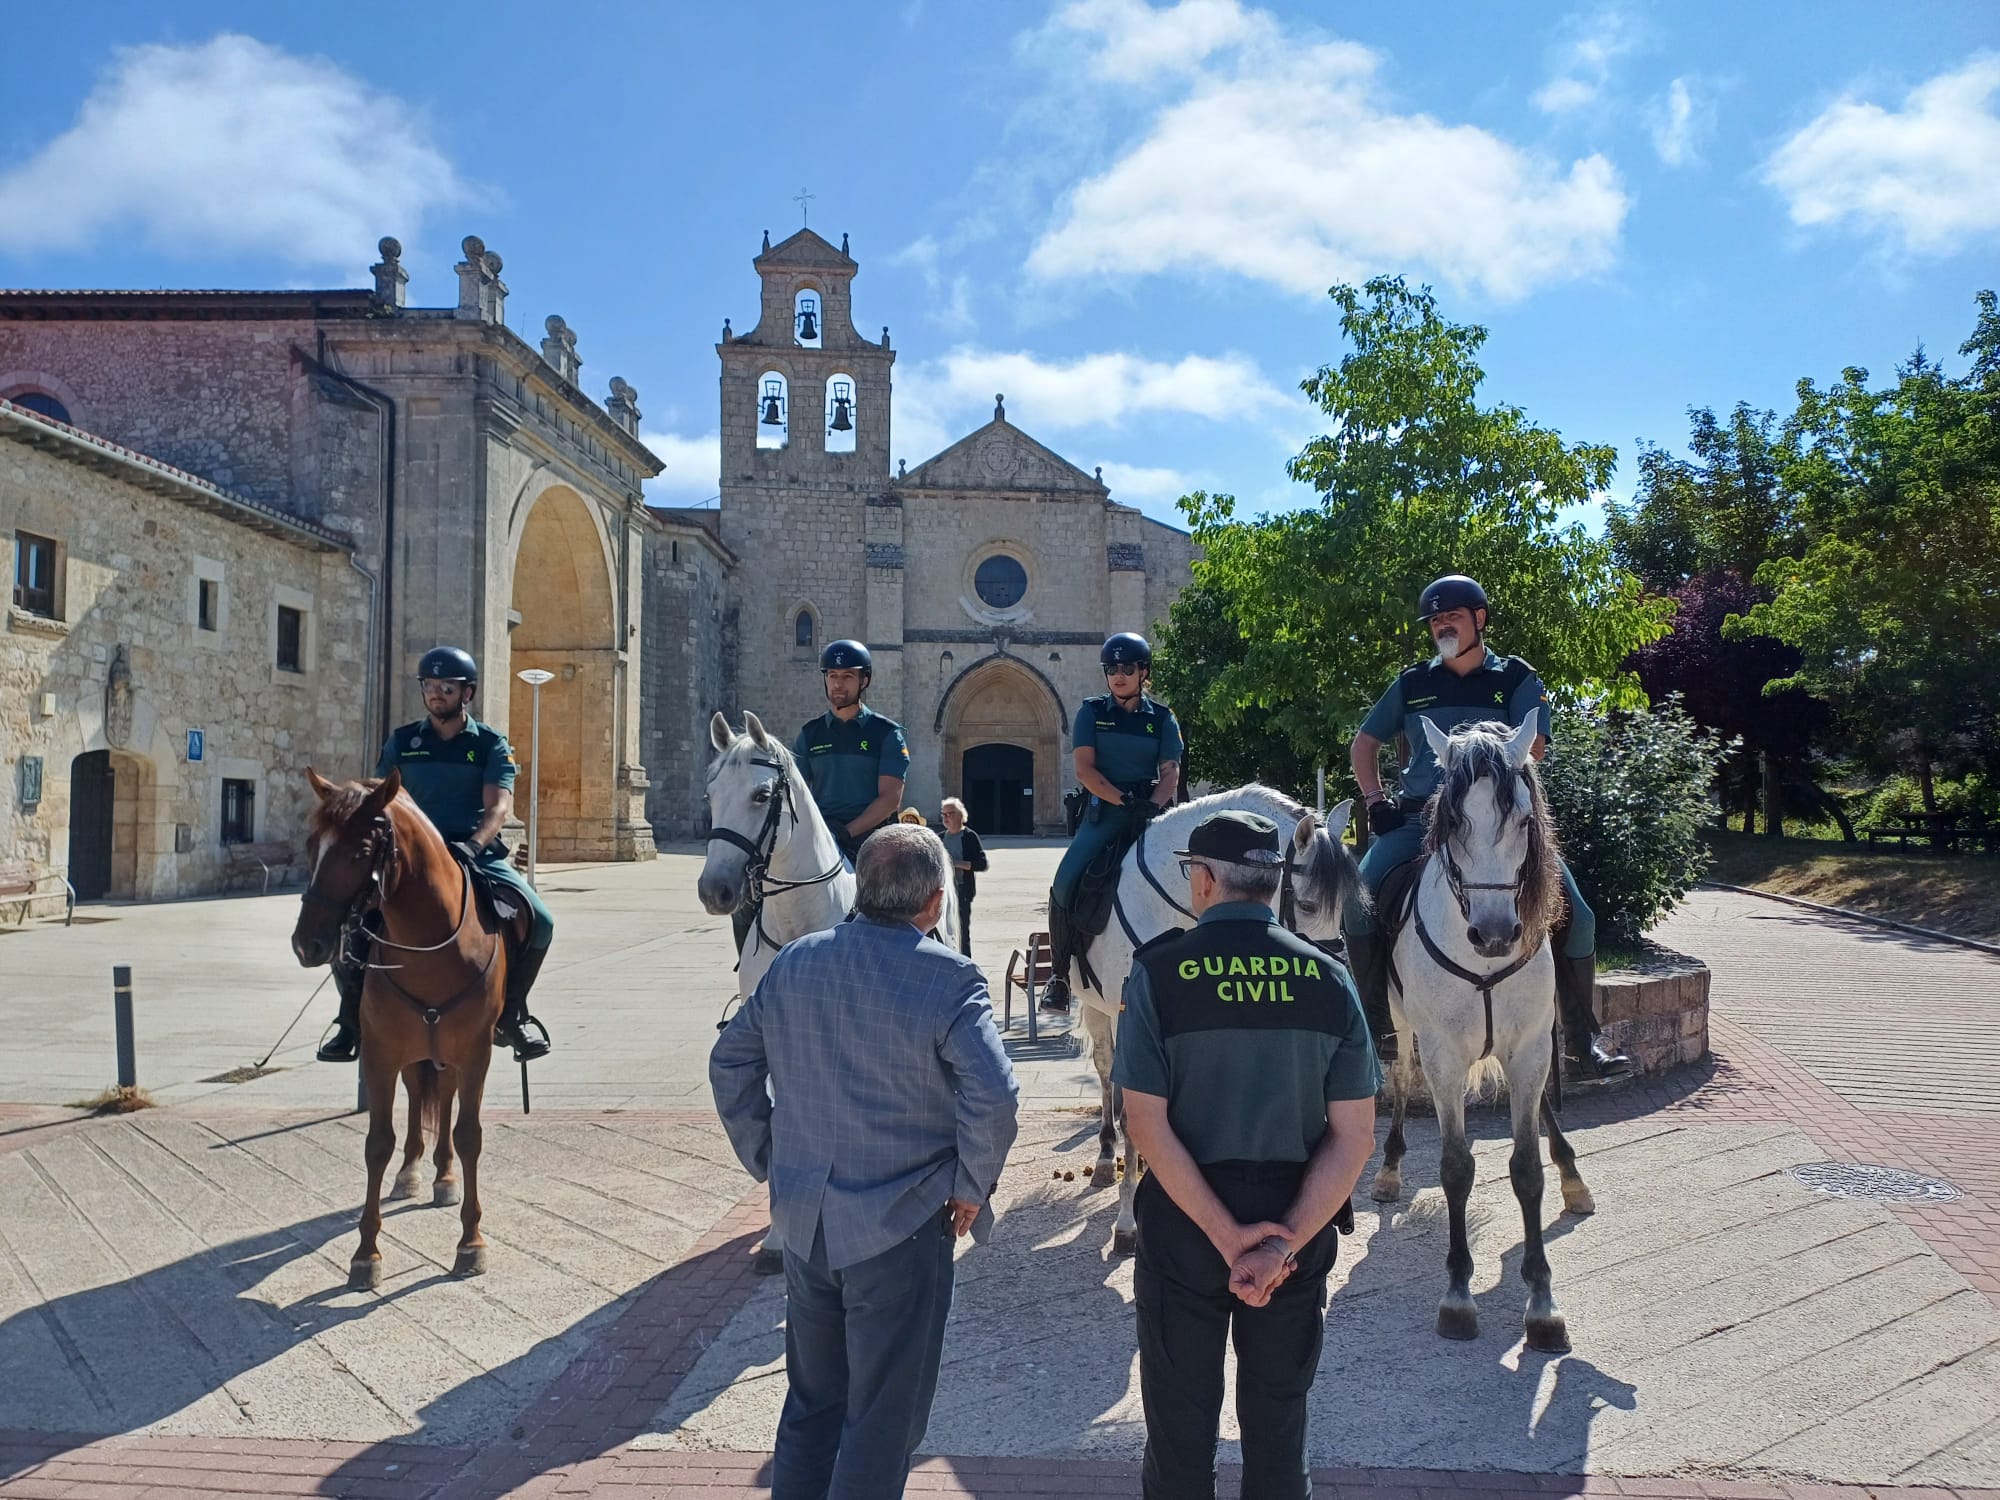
(1416, 478)
(1893, 600)
(1723, 510)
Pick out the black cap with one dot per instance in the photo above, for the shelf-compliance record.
(1237, 838)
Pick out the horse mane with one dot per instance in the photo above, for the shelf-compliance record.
(1480, 750)
(332, 817)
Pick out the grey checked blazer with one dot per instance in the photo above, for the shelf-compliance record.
(892, 1091)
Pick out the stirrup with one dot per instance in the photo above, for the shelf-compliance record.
(1386, 1048)
(1056, 997)
(526, 1048)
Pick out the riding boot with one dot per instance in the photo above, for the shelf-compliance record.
(1368, 957)
(522, 967)
(1576, 992)
(344, 1046)
(1062, 942)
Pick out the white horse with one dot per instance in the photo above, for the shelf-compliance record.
(1472, 978)
(767, 838)
(1152, 898)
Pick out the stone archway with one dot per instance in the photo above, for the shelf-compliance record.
(568, 626)
(1001, 701)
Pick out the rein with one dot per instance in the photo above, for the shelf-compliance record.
(759, 885)
(1288, 909)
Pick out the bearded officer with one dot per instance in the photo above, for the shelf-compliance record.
(1126, 752)
(853, 758)
(460, 772)
(1249, 1085)
(1467, 682)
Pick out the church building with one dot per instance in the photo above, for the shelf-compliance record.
(983, 580)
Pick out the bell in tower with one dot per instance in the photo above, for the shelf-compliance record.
(843, 402)
(807, 319)
(774, 404)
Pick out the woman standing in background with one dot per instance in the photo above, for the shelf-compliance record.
(967, 855)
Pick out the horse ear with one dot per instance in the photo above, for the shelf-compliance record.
(1439, 741)
(1521, 743)
(322, 788)
(719, 733)
(1338, 819)
(384, 793)
(754, 727)
(1302, 836)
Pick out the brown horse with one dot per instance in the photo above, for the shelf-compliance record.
(433, 991)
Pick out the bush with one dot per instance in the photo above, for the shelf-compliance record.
(1630, 794)
(1900, 794)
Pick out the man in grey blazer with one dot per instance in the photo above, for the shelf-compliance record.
(894, 1109)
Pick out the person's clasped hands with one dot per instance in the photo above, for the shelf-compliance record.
(1260, 1260)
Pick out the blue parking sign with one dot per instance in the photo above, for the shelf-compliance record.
(196, 744)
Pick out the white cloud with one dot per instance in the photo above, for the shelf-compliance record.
(1279, 161)
(1133, 485)
(1592, 46)
(693, 465)
(1136, 42)
(1925, 178)
(950, 306)
(231, 145)
(1680, 123)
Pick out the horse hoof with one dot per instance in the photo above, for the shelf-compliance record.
(1386, 1189)
(470, 1262)
(1124, 1242)
(364, 1275)
(768, 1262)
(1104, 1171)
(404, 1187)
(1549, 1335)
(1458, 1321)
(444, 1194)
(1579, 1202)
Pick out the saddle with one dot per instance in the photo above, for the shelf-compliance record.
(1397, 898)
(499, 903)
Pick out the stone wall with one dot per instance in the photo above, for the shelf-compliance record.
(690, 657)
(126, 668)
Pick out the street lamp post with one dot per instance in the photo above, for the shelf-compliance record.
(535, 677)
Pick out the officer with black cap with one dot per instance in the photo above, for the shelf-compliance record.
(1249, 1083)
(1126, 750)
(1465, 683)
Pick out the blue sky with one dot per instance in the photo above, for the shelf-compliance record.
(1123, 215)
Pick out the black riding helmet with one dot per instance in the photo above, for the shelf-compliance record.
(1453, 591)
(851, 655)
(1126, 649)
(449, 664)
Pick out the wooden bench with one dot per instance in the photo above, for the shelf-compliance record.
(269, 858)
(1027, 972)
(21, 886)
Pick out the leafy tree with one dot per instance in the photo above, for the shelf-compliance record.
(1893, 600)
(1416, 478)
(1721, 511)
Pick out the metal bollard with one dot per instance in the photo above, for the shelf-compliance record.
(121, 1014)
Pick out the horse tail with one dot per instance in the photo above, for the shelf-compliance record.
(430, 1098)
(1483, 1080)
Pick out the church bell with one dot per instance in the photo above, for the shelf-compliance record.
(842, 401)
(773, 415)
(808, 324)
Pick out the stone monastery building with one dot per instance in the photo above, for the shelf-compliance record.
(235, 519)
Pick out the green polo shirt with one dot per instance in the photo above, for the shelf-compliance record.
(842, 759)
(1501, 688)
(1131, 746)
(448, 778)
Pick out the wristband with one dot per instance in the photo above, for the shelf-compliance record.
(1276, 1242)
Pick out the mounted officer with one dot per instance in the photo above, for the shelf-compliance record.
(1126, 753)
(460, 772)
(853, 759)
(1465, 683)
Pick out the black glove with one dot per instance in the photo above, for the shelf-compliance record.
(1145, 807)
(1384, 817)
(466, 850)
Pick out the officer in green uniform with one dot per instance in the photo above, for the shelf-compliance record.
(461, 773)
(1126, 751)
(1465, 683)
(1249, 1086)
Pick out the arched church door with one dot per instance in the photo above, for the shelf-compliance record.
(999, 782)
(92, 789)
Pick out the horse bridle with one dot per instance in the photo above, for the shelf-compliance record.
(1288, 906)
(757, 873)
(1458, 885)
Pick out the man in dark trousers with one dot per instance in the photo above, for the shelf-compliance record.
(895, 1109)
(1250, 1085)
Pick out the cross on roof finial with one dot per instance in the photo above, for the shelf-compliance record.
(804, 201)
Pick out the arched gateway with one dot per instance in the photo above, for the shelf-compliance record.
(1004, 749)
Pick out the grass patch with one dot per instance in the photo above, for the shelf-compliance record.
(116, 1101)
(1955, 893)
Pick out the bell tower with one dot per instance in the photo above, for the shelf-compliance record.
(805, 399)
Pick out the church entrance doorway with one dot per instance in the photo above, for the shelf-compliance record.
(568, 627)
(999, 783)
(92, 791)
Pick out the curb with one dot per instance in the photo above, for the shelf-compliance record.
(1858, 916)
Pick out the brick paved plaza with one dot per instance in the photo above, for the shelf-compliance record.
(174, 1319)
